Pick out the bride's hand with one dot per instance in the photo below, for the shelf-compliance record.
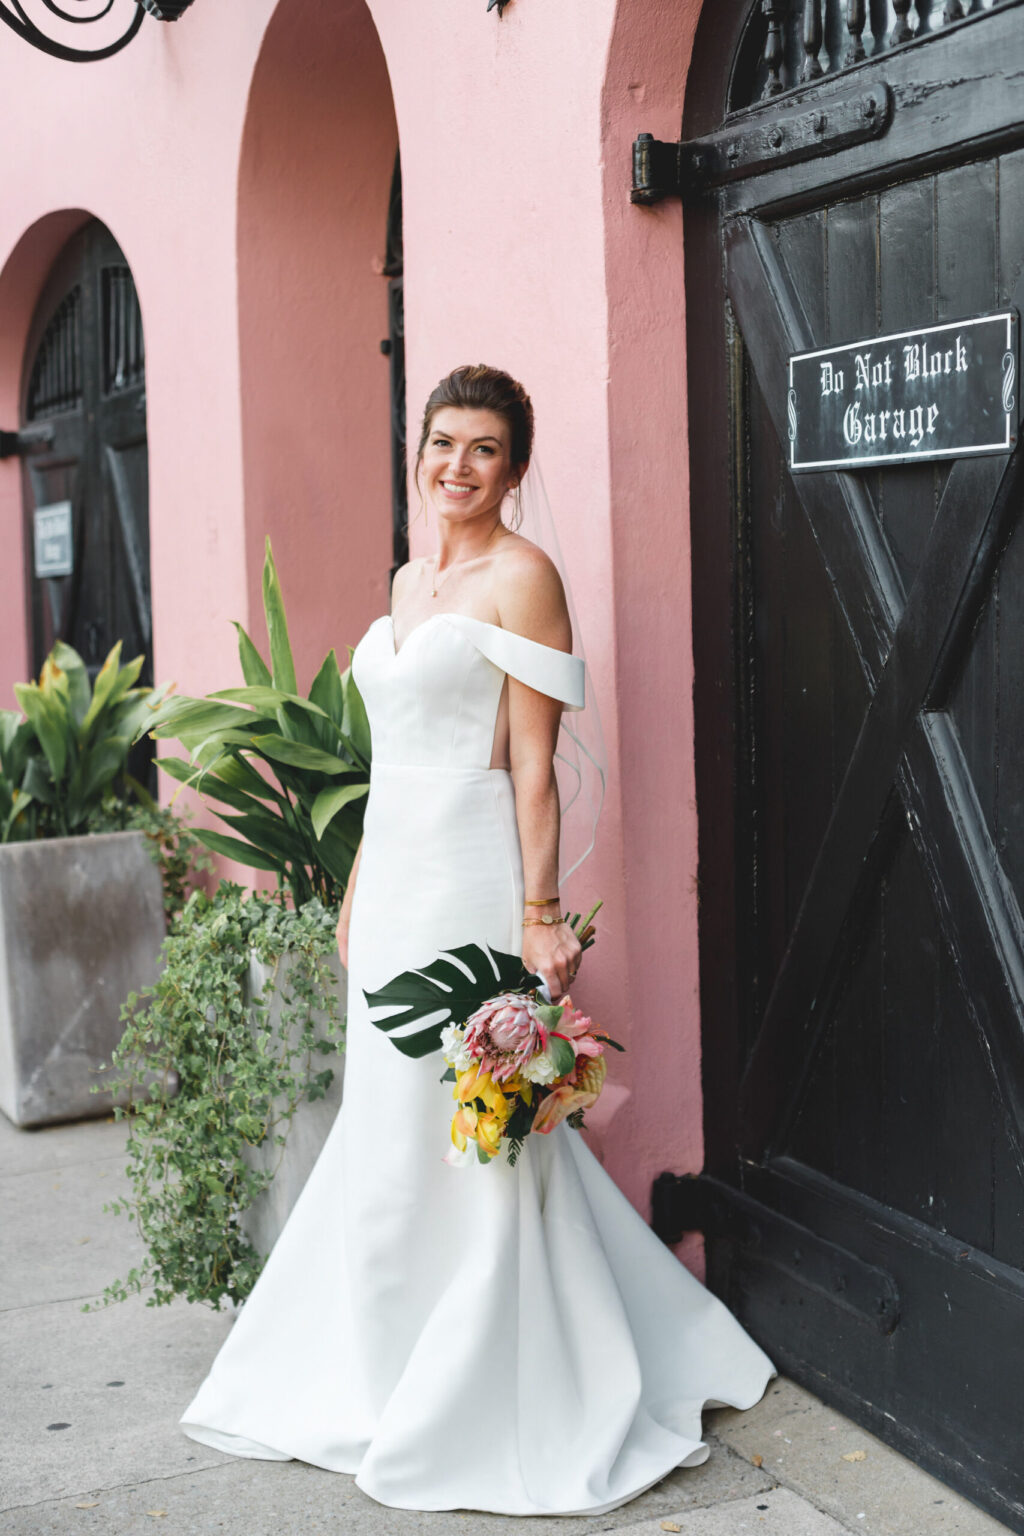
(552, 951)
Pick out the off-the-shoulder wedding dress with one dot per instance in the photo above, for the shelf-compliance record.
(482, 1337)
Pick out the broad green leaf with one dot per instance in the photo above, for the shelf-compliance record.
(94, 774)
(355, 726)
(271, 834)
(295, 753)
(236, 770)
(330, 801)
(49, 724)
(281, 663)
(38, 783)
(562, 1054)
(268, 700)
(77, 675)
(201, 718)
(327, 691)
(444, 987)
(232, 848)
(103, 686)
(254, 668)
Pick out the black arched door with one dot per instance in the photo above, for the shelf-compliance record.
(855, 173)
(87, 493)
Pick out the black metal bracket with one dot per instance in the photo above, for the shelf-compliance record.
(28, 440)
(700, 1203)
(775, 137)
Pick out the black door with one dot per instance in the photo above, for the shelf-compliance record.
(85, 382)
(859, 642)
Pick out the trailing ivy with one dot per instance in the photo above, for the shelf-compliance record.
(209, 1076)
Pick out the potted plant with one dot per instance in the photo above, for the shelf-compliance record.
(81, 910)
(240, 1034)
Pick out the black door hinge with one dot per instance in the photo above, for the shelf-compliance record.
(28, 440)
(758, 143)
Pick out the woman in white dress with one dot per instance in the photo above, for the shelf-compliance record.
(511, 1339)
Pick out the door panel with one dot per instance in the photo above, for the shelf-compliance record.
(860, 743)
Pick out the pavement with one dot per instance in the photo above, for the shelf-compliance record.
(90, 1444)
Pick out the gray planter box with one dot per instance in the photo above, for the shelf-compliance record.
(81, 924)
(263, 1221)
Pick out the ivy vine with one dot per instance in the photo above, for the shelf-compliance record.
(210, 1075)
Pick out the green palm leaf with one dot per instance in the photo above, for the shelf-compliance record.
(444, 992)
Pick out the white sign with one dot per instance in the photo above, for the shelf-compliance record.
(53, 548)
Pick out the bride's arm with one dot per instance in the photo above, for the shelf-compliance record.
(531, 602)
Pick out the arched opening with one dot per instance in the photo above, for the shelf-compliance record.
(86, 484)
(315, 183)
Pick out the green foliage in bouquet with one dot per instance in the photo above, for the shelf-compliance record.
(210, 1075)
(448, 990)
(293, 769)
(63, 757)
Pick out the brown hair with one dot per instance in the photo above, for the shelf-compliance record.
(476, 387)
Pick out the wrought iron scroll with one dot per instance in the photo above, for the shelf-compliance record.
(54, 26)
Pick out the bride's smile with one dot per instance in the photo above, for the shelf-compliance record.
(466, 468)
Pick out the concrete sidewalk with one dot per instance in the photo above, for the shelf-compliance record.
(89, 1439)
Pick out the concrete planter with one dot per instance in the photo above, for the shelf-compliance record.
(311, 1122)
(81, 924)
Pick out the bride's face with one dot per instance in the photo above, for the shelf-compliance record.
(466, 465)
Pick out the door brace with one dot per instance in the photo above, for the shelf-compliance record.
(781, 137)
(688, 1202)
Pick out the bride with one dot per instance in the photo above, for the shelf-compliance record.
(509, 1339)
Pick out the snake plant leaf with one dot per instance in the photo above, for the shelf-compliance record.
(446, 991)
(234, 848)
(330, 801)
(254, 668)
(281, 663)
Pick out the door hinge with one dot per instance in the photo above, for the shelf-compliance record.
(28, 440)
(774, 138)
(689, 1202)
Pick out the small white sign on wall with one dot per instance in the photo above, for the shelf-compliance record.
(54, 555)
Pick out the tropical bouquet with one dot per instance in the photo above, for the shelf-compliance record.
(518, 1061)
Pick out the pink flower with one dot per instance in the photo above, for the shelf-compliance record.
(576, 1028)
(504, 1034)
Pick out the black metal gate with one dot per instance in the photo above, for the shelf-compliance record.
(859, 637)
(85, 388)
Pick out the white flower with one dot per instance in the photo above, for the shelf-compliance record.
(453, 1047)
(541, 1069)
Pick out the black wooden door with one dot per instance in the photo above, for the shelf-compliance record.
(859, 641)
(85, 383)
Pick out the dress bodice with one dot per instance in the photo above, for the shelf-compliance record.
(435, 701)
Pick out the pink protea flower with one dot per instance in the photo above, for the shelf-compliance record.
(505, 1033)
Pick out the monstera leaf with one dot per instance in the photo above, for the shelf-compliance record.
(443, 986)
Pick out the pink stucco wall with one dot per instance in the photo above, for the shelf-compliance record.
(250, 198)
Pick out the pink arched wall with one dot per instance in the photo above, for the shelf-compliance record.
(313, 191)
(250, 200)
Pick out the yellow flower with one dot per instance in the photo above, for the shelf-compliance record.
(488, 1134)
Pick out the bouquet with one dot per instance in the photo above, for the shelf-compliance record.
(519, 1062)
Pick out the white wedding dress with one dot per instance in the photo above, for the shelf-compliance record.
(484, 1337)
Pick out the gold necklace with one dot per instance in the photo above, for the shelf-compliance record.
(448, 569)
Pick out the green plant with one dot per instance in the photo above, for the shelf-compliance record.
(62, 761)
(294, 769)
(238, 1081)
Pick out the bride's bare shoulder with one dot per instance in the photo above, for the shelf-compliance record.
(529, 595)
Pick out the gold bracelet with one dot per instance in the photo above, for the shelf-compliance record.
(539, 901)
(530, 922)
